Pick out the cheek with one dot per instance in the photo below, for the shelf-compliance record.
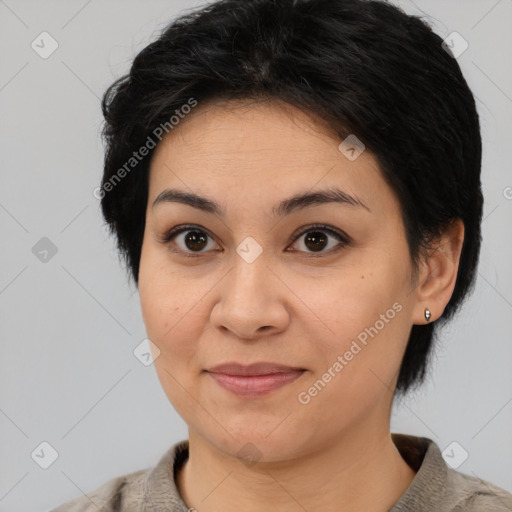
(362, 318)
(171, 321)
(355, 368)
(350, 303)
(162, 303)
(173, 311)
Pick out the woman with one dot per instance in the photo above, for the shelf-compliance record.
(295, 187)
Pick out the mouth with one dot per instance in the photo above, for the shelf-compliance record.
(253, 370)
(254, 380)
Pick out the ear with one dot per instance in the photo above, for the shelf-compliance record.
(438, 273)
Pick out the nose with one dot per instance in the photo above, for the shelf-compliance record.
(252, 301)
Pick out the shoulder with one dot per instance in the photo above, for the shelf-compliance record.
(477, 495)
(146, 489)
(437, 487)
(116, 495)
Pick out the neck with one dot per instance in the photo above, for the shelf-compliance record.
(362, 470)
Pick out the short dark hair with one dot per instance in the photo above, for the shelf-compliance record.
(365, 67)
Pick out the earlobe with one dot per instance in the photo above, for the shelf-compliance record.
(439, 274)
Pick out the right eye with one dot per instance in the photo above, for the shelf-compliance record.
(194, 240)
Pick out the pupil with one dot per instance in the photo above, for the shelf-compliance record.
(317, 238)
(194, 239)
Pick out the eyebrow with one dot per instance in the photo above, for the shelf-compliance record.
(286, 207)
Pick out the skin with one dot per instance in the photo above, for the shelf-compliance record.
(287, 306)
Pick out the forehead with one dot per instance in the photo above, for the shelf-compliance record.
(260, 150)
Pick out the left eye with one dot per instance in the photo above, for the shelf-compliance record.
(316, 239)
(195, 239)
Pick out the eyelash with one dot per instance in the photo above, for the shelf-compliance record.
(340, 236)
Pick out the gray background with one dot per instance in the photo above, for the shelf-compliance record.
(69, 325)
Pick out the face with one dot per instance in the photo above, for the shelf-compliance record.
(322, 286)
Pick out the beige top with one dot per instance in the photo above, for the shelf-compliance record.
(435, 488)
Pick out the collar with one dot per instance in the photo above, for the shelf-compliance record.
(421, 453)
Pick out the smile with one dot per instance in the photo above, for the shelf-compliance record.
(255, 385)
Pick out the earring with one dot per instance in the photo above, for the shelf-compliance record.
(428, 314)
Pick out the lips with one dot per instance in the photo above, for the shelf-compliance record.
(254, 380)
(254, 369)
